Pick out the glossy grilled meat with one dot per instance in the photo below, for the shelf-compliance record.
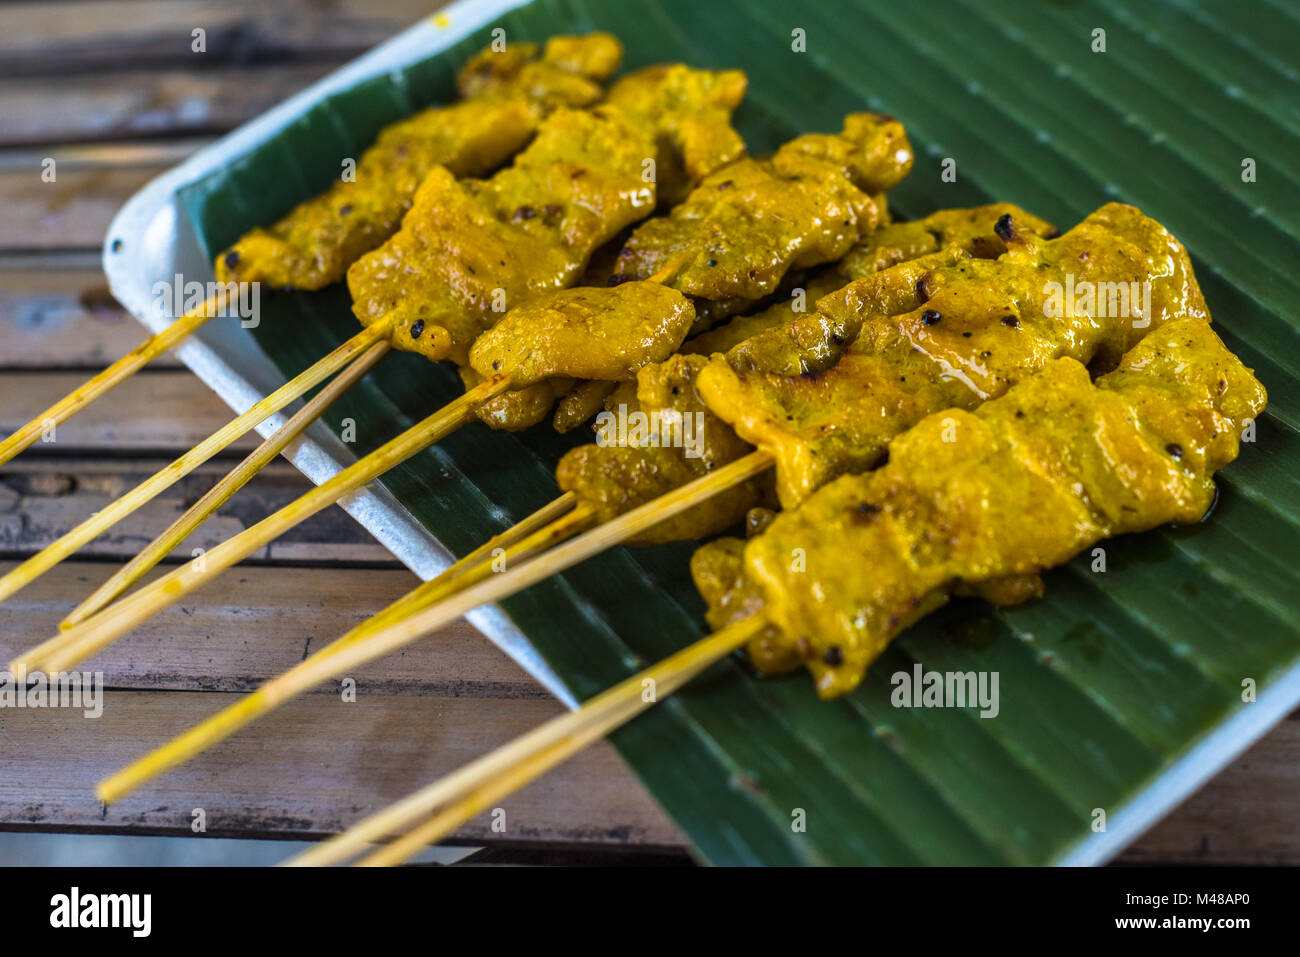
(971, 230)
(613, 479)
(745, 226)
(585, 333)
(566, 72)
(690, 111)
(507, 94)
(471, 249)
(991, 497)
(825, 394)
(579, 404)
(517, 409)
(553, 340)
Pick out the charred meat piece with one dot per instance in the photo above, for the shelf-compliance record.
(1025, 482)
(748, 224)
(825, 393)
(612, 477)
(507, 93)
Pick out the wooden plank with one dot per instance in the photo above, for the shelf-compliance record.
(320, 763)
(44, 37)
(153, 410)
(64, 317)
(37, 37)
(245, 627)
(249, 625)
(73, 212)
(106, 106)
(313, 767)
(41, 500)
(1246, 815)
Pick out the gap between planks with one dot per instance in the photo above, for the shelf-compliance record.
(251, 624)
(313, 767)
(41, 499)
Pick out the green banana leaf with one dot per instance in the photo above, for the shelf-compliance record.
(1104, 683)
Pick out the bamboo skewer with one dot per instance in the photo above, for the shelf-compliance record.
(461, 589)
(110, 515)
(95, 632)
(63, 651)
(400, 633)
(216, 496)
(455, 579)
(483, 798)
(114, 375)
(473, 788)
(512, 541)
(533, 534)
(523, 576)
(152, 347)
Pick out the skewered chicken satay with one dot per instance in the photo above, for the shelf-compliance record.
(610, 478)
(986, 299)
(531, 350)
(506, 95)
(1026, 482)
(426, 288)
(824, 394)
(1020, 485)
(574, 332)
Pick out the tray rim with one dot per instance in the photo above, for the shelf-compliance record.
(151, 213)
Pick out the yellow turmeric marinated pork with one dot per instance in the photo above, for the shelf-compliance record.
(566, 72)
(1021, 485)
(667, 100)
(702, 146)
(611, 477)
(748, 224)
(690, 111)
(507, 94)
(585, 333)
(652, 439)
(968, 229)
(550, 341)
(471, 249)
(825, 393)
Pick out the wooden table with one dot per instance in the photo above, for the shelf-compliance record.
(112, 91)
